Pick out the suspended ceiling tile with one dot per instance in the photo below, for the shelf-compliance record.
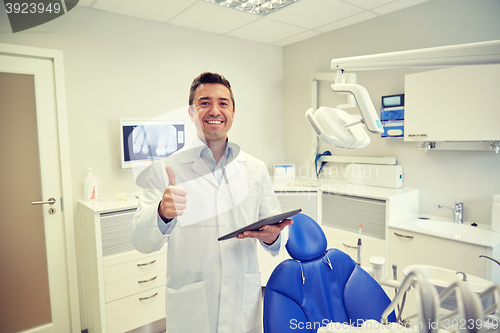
(394, 6)
(314, 13)
(85, 3)
(155, 10)
(266, 31)
(369, 4)
(212, 18)
(347, 21)
(297, 38)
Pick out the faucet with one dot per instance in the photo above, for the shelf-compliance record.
(458, 212)
(464, 276)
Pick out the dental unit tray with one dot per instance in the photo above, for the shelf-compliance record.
(275, 219)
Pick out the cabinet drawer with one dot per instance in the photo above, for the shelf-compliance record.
(138, 284)
(128, 313)
(134, 268)
(347, 242)
(348, 212)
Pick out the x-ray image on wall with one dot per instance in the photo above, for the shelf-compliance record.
(152, 140)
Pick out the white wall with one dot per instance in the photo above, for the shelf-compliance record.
(443, 177)
(118, 66)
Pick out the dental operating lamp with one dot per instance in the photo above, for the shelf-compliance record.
(340, 129)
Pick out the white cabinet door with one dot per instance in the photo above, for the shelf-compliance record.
(410, 248)
(428, 250)
(347, 242)
(453, 104)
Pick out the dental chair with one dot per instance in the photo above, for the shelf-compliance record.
(319, 286)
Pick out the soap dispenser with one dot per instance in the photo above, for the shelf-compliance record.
(89, 186)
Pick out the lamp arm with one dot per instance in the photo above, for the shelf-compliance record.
(443, 56)
(366, 108)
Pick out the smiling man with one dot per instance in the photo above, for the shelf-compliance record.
(213, 188)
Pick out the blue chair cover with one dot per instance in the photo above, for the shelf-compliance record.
(319, 286)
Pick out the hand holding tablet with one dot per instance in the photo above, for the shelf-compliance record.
(271, 220)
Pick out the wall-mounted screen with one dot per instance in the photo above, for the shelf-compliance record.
(145, 140)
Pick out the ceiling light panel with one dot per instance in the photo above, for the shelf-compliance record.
(258, 7)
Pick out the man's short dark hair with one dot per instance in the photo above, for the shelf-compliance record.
(209, 77)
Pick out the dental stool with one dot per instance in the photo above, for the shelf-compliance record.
(319, 286)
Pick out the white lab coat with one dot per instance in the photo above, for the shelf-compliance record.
(211, 286)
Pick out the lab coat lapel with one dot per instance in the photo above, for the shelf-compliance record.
(192, 161)
(235, 163)
(201, 168)
(232, 167)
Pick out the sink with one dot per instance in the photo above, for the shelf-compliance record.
(442, 278)
(450, 228)
(437, 276)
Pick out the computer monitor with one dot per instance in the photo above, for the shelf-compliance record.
(145, 140)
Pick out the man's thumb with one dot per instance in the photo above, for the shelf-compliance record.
(171, 176)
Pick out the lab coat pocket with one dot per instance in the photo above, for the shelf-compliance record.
(187, 308)
(251, 307)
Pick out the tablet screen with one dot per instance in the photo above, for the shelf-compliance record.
(259, 224)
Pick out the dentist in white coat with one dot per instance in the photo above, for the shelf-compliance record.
(213, 188)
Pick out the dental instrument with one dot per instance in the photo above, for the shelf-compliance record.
(426, 299)
(359, 245)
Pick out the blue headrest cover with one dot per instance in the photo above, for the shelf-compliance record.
(306, 240)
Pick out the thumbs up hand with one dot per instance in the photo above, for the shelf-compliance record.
(174, 198)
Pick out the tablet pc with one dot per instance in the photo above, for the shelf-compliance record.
(260, 223)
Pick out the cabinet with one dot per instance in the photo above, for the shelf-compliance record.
(347, 242)
(123, 288)
(342, 216)
(453, 104)
(412, 248)
(340, 209)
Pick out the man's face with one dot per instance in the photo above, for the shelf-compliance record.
(214, 112)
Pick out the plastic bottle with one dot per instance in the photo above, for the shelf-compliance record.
(495, 213)
(89, 186)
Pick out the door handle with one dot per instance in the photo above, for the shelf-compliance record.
(51, 201)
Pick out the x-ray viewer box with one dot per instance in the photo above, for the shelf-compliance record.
(275, 219)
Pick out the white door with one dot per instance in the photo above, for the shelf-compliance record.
(33, 280)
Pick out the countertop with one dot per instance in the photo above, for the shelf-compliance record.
(110, 203)
(338, 187)
(306, 185)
